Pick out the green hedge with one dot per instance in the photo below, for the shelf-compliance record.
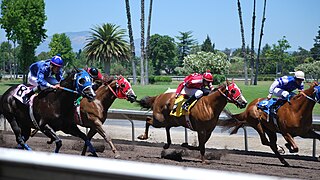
(159, 79)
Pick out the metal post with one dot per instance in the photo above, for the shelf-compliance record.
(185, 135)
(245, 138)
(314, 149)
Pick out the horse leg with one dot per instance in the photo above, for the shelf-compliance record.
(90, 134)
(167, 145)
(273, 146)
(291, 145)
(311, 134)
(149, 121)
(75, 131)
(17, 132)
(203, 136)
(108, 140)
(262, 135)
(50, 133)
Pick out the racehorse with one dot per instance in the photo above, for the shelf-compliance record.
(202, 117)
(93, 114)
(294, 119)
(49, 111)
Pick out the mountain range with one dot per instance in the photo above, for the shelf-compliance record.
(78, 41)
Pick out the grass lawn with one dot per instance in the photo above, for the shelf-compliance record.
(249, 92)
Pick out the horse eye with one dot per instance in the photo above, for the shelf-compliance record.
(123, 85)
(82, 81)
(233, 91)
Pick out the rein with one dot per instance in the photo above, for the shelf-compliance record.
(69, 90)
(223, 94)
(114, 93)
(308, 97)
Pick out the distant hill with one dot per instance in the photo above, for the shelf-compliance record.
(78, 41)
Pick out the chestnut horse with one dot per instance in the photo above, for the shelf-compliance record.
(294, 119)
(203, 116)
(94, 114)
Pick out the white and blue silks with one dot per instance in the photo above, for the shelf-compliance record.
(284, 85)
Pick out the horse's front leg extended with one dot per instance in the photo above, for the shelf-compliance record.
(108, 140)
(149, 121)
(167, 145)
(202, 138)
(311, 134)
(50, 133)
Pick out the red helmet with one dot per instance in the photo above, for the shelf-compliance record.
(207, 76)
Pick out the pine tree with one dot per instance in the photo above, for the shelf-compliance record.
(315, 50)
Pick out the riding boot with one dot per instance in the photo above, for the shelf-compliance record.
(186, 104)
(26, 97)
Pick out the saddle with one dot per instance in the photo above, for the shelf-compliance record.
(266, 105)
(179, 102)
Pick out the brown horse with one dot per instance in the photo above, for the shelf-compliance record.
(294, 119)
(203, 116)
(94, 114)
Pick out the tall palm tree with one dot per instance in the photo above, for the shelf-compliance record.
(252, 42)
(261, 34)
(107, 42)
(142, 44)
(132, 48)
(148, 38)
(243, 45)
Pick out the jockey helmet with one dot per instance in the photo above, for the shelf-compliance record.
(299, 75)
(93, 72)
(207, 76)
(57, 61)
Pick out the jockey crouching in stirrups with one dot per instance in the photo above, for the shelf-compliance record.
(194, 86)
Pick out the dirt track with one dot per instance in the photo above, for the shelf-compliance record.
(302, 167)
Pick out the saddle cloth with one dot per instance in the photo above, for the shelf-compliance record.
(179, 102)
(22, 90)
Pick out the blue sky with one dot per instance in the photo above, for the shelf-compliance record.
(298, 20)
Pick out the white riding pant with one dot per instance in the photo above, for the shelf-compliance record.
(198, 93)
(281, 93)
(33, 81)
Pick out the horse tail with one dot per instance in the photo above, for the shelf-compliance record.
(233, 121)
(147, 102)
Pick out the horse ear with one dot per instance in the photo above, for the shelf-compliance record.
(227, 81)
(232, 80)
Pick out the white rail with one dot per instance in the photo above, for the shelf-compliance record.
(25, 165)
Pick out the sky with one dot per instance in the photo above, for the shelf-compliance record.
(298, 20)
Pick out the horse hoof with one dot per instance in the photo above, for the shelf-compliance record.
(205, 162)
(281, 150)
(142, 137)
(184, 145)
(117, 156)
(166, 146)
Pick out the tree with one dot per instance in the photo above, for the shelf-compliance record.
(315, 50)
(43, 56)
(148, 38)
(252, 42)
(244, 55)
(202, 61)
(186, 42)
(142, 45)
(260, 40)
(61, 44)
(107, 42)
(162, 53)
(23, 21)
(132, 48)
(207, 46)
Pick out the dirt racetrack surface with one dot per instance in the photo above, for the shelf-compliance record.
(302, 167)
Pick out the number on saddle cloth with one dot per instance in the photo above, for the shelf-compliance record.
(20, 91)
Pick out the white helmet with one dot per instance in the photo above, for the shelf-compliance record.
(299, 75)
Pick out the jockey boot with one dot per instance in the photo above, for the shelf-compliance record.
(26, 97)
(186, 104)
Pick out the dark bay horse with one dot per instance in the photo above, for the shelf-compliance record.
(203, 115)
(294, 119)
(94, 114)
(51, 110)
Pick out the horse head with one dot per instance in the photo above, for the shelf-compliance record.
(123, 89)
(80, 82)
(234, 94)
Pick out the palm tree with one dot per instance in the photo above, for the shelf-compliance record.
(105, 43)
(261, 34)
(252, 42)
(243, 45)
(132, 48)
(142, 44)
(148, 38)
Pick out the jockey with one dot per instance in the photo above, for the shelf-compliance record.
(282, 87)
(194, 86)
(41, 75)
(96, 76)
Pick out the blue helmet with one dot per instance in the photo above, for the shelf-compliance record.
(57, 61)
